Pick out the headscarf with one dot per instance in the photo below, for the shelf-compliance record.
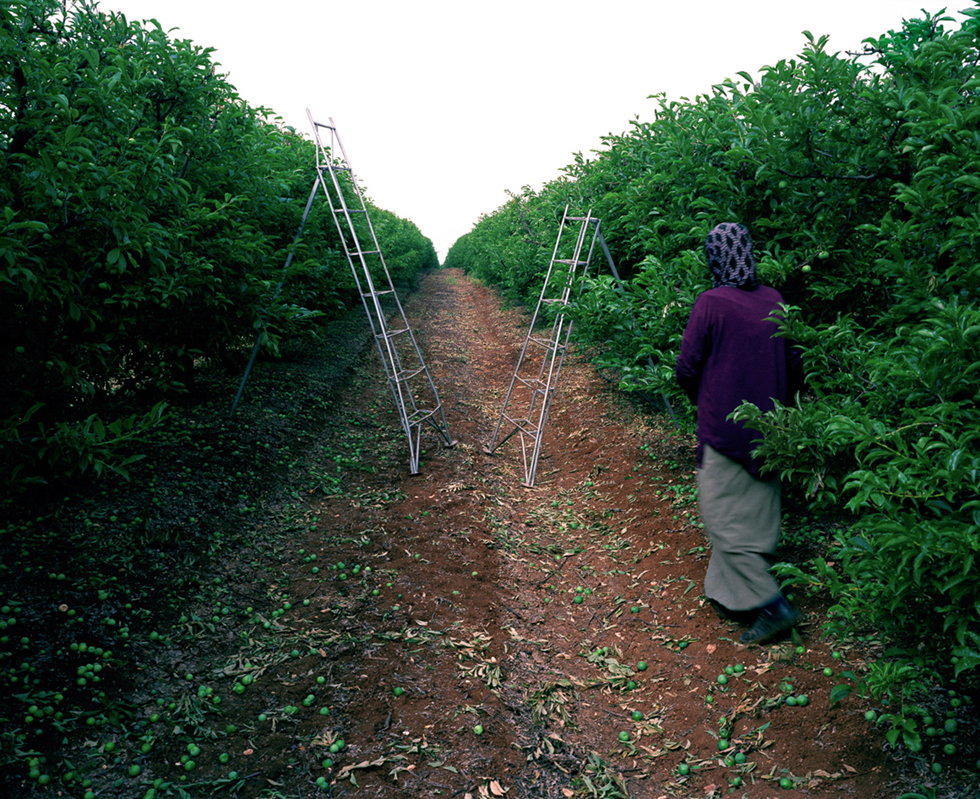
(729, 251)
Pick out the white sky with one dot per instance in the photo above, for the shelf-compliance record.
(443, 105)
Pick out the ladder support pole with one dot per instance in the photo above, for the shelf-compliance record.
(289, 260)
(619, 287)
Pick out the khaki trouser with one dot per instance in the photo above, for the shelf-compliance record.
(741, 514)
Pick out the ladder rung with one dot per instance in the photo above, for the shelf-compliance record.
(524, 425)
(536, 385)
(547, 343)
(392, 333)
(404, 377)
(421, 415)
(367, 252)
(581, 219)
(569, 262)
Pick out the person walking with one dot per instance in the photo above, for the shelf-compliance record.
(730, 354)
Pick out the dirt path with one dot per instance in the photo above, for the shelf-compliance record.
(528, 611)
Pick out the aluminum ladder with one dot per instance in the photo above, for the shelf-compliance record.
(408, 377)
(529, 396)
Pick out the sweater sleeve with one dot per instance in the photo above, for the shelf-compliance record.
(695, 348)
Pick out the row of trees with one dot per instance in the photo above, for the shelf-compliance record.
(146, 214)
(859, 178)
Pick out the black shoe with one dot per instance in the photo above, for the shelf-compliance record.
(772, 621)
(743, 617)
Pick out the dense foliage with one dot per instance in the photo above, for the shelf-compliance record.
(859, 178)
(147, 214)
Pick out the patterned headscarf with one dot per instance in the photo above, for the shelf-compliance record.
(729, 250)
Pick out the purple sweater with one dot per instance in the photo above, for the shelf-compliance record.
(729, 353)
